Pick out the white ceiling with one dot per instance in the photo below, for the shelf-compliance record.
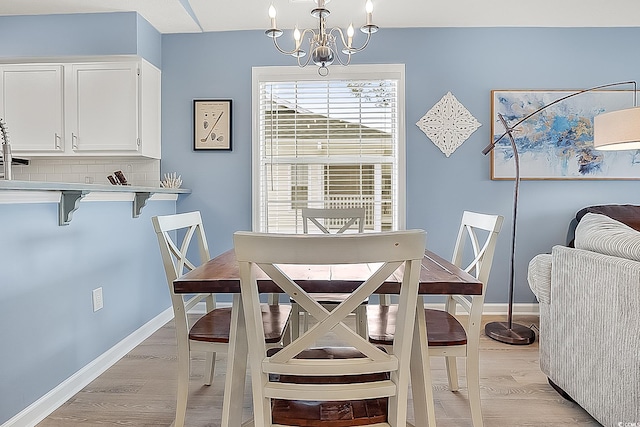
(189, 16)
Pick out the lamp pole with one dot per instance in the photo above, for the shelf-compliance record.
(509, 332)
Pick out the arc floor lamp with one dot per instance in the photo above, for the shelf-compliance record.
(615, 130)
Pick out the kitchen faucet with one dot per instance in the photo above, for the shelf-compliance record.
(6, 152)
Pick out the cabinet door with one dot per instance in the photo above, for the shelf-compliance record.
(32, 105)
(103, 107)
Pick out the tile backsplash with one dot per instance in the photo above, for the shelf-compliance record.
(142, 172)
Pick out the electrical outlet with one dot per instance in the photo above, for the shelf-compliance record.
(98, 302)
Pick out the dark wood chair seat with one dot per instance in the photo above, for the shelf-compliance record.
(215, 325)
(331, 413)
(442, 328)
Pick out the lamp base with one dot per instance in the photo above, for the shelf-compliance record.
(517, 335)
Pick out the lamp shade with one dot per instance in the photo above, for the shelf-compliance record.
(617, 130)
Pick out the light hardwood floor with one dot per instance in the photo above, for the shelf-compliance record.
(139, 390)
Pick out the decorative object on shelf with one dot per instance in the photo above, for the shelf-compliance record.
(171, 180)
(322, 44)
(112, 180)
(121, 178)
(212, 124)
(448, 124)
(558, 142)
(621, 132)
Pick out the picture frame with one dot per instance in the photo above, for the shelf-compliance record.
(212, 124)
(557, 143)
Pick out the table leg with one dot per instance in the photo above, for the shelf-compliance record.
(421, 388)
(236, 367)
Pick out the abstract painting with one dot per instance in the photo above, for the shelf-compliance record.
(557, 143)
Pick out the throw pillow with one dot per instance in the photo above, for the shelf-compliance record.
(599, 233)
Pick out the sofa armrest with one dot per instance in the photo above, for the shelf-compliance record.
(589, 343)
(539, 277)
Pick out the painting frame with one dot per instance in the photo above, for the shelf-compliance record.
(557, 143)
(212, 119)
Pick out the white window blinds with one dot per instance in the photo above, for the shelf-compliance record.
(327, 143)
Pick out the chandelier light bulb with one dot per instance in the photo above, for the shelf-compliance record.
(369, 6)
(272, 15)
(296, 36)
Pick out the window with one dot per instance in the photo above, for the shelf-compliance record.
(328, 142)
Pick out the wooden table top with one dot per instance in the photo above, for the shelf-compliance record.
(221, 275)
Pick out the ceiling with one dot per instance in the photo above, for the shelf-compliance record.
(191, 16)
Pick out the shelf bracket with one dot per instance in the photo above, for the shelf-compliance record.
(69, 203)
(139, 201)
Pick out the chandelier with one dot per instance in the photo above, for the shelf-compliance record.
(323, 41)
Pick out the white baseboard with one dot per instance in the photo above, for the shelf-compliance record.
(51, 401)
(520, 309)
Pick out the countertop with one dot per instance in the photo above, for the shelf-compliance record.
(68, 195)
(73, 186)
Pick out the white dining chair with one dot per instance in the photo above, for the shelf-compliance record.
(331, 221)
(210, 332)
(445, 333)
(357, 382)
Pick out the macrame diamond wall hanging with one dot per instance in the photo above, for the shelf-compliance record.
(448, 124)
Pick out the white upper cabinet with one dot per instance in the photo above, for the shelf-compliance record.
(32, 107)
(102, 108)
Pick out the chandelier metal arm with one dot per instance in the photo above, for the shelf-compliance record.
(298, 44)
(346, 45)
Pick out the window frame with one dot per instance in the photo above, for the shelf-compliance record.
(356, 72)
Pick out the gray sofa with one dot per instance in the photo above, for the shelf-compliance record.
(590, 318)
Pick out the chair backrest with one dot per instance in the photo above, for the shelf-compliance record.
(170, 228)
(321, 218)
(481, 230)
(377, 254)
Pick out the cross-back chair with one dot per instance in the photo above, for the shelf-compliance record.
(209, 333)
(446, 334)
(355, 384)
(345, 219)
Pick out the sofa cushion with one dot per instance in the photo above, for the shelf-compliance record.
(599, 233)
(626, 214)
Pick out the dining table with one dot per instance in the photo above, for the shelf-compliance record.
(220, 275)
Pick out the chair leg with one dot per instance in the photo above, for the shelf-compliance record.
(473, 387)
(452, 372)
(209, 367)
(361, 321)
(294, 320)
(183, 388)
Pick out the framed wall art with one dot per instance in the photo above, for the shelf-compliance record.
(557, 143)
(212, 124)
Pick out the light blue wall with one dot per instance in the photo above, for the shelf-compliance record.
(469, 62)
(47, 272)
(118, 33)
